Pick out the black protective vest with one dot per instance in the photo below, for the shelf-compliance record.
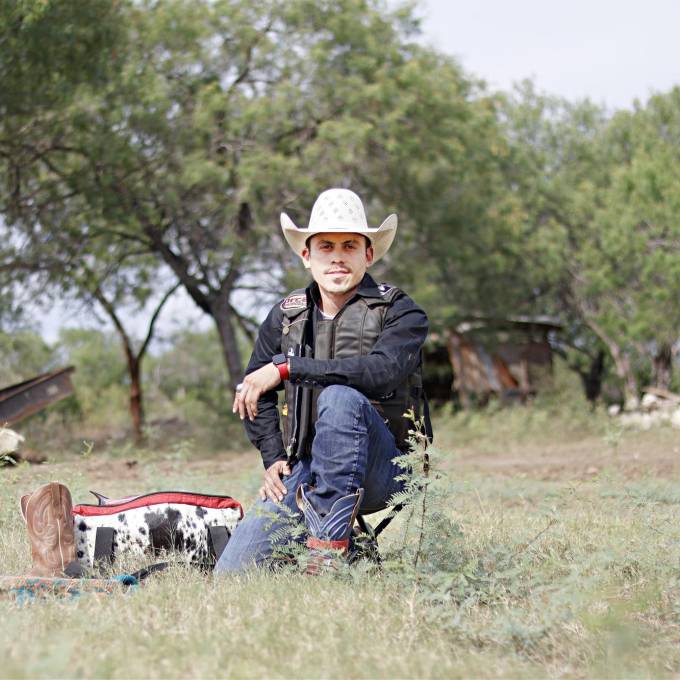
(353, 331)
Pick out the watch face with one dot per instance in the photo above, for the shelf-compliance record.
(279, 359)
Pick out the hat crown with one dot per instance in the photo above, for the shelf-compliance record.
(338, 210)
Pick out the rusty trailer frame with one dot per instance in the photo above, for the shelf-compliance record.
(31, 396)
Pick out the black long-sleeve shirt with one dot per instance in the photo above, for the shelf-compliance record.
(394, 357)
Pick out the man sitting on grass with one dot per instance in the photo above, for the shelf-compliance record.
(347, 352)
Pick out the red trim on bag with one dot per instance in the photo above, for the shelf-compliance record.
(178, 497)
(317, 543)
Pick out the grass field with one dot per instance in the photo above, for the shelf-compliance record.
(551, 548)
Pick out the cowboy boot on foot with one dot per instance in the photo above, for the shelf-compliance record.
(329, 540)
(47, 513)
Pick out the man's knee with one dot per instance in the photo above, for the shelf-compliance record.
(341, 398)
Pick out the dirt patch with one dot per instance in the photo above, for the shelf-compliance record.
(113, 476)
(635, 455)
(226, 465)
(640, 455)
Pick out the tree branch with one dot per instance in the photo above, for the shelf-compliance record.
(154, 318)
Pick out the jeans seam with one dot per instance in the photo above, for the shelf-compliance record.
(351, 476)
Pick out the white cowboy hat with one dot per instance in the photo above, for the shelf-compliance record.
(340, 210)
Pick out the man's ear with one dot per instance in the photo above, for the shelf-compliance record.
(305, 254)
(369, 256)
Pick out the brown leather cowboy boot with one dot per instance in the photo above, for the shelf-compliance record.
(47, 513)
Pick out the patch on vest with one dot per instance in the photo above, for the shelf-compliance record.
(294, 302)
(384, 289)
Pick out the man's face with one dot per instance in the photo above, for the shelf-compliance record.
(338, 260)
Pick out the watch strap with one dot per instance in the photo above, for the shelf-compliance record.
(281, 363)
(283, 370)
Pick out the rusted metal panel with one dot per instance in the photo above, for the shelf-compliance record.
(26, 398)
(507, 379)
(476, 371)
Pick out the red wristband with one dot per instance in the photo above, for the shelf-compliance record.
(283, 370)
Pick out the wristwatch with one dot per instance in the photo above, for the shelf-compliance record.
(281, 362)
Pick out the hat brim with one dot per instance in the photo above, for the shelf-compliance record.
(380, 237)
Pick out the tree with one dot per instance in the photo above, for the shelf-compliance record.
(191, 370)
(99, 379)
(51, 49)
(114, 282)
(466, 242)
(134, 356)
(221, 114)
(637, 267)
(601, 194)
(59, 257)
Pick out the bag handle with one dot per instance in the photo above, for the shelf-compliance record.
(103, 547)
(218, 538)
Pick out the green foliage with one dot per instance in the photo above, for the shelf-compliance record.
(600, 194)
(99, 380)
(146, 138)
(23, 355)
(188, 392)
(211, 124)
(633, 265)
(96, 356)
(188, 381)
(50, 47)
(466, 234)
(192, 369)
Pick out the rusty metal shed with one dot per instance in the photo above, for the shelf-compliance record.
(505, 358)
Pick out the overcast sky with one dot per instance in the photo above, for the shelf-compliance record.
(611, 51)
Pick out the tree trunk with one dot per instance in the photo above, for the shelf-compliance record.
(592, 379)
(134, 361)
(136, 401)
(624, 371)
(458, 386)
(224, 320)
(663, 366)
(134, 368)
(622, 365)
(214, 301)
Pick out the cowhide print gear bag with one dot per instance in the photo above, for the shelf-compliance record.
(196, 526)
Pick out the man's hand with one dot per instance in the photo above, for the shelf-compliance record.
(252, 388)
(273, 488)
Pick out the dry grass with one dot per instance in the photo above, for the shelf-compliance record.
(563, 555)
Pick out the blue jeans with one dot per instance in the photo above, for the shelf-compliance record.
(352, 449)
